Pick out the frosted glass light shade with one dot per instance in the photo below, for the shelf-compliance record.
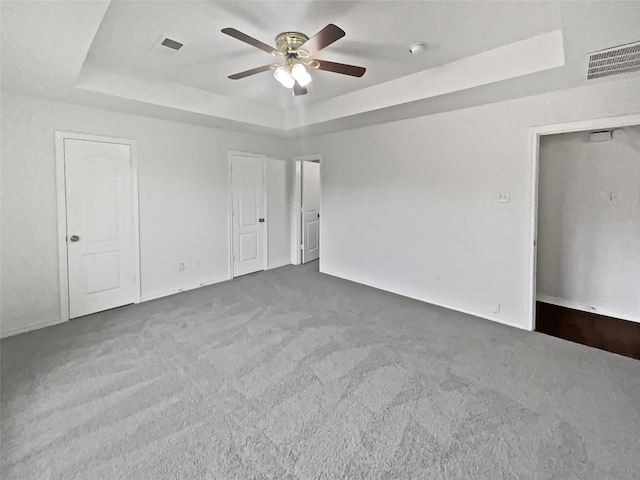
(301, 75)
(284, 77)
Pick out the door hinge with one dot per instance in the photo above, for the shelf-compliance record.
(301, 246)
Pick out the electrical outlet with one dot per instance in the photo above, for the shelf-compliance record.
(438, 276)
(197, 264)
(496, 309)
(504, 198)
(181, 267)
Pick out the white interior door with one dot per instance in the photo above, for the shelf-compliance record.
(310, 211)
(247, 178)
(100, 233)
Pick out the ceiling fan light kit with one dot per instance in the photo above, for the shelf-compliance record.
(283, 75)
(300, 74)
(296, 50)
(290, 73)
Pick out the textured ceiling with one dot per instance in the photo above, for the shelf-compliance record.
(379, 34)
(105, 53)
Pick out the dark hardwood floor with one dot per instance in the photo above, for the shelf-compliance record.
(605, 333)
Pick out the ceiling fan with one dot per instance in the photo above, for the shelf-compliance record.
(296, 50)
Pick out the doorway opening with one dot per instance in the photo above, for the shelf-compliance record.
(306, 209)
(586, 244)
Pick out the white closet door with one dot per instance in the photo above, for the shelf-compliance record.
(100, 237)
(247, 174)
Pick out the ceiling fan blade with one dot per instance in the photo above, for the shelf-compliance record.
(323, 38)
(243, 37)
(299, 89)
(342, 68)
(253, 71)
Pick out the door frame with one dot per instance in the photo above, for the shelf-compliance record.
(61, 192)
(534, 155)
(263, 157)
(296, 206)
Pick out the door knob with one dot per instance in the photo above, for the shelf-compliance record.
(74, 238)
(261, 220)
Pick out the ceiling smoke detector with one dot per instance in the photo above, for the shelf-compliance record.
(417, 48)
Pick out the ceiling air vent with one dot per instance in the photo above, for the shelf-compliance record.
(172, 44)
(612, 61)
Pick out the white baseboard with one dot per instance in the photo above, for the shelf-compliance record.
(583, 307)
(155, 296)
(279, 264)
(36, 326)
(429, 301)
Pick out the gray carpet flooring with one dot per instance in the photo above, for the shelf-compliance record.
(291, 374)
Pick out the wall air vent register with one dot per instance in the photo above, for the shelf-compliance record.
(613, 61)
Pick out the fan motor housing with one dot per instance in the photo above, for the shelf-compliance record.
(288, 43)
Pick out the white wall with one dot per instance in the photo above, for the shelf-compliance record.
(412, 206)
(409, 207)
(278, 181)
(589, 223)
(183, 178)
